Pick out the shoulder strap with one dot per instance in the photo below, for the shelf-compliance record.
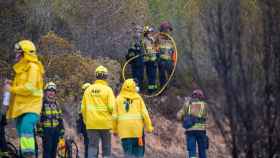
(189, 104)
(202, 107)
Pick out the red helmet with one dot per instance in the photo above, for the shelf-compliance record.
(198, 93)
(165, 25)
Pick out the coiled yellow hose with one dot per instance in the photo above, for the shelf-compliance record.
(171, 75)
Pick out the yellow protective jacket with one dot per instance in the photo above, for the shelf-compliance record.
(130, 114)
(97, 106)
(27, 88)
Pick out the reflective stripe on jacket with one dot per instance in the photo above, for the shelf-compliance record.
(196, 108)
(166, 48)
(51, 115)
(151, 50)
(97, 106)
(130, 114)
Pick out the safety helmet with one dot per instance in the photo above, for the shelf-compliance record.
(148, 29)
(101, 69)
(129, 85)
(165, 25)
(27, 48)
(101, 72)
(50, 86)
(198, 93)
(85, 86)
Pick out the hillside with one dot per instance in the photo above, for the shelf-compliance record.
(228, 48)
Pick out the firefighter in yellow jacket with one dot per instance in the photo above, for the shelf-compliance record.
(130, 116)
(97, 107)
(26, 95)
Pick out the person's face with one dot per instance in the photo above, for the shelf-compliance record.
(50, 93)
(167, 30)
(18, 56)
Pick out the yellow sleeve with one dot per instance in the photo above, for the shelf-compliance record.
(29, 88)
(111, 100)
(146, 117)
(115, 118)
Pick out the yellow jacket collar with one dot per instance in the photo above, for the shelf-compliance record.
(103, 82)
(30, 57)
(129, 95)
(23, 65)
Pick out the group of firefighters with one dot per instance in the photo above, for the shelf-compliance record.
(156, 53)
(34, 106)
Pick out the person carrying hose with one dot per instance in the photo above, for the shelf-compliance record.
(167, 55)
(150, 57)
(26, 95)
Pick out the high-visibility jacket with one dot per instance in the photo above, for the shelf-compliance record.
(151, 50)
(130, 114)
(97, 106)
(51, 116)
(27, 88)
(166, 48)
(195, 108)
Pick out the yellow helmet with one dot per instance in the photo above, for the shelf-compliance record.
(101, 70)
(50, 86)
(85, 86)
(27, 48)
(129, 85)
(148, 29)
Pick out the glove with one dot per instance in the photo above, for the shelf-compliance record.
(150, 129)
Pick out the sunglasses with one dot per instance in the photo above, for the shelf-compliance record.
(51, 90)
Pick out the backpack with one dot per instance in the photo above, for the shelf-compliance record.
(190, 120)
